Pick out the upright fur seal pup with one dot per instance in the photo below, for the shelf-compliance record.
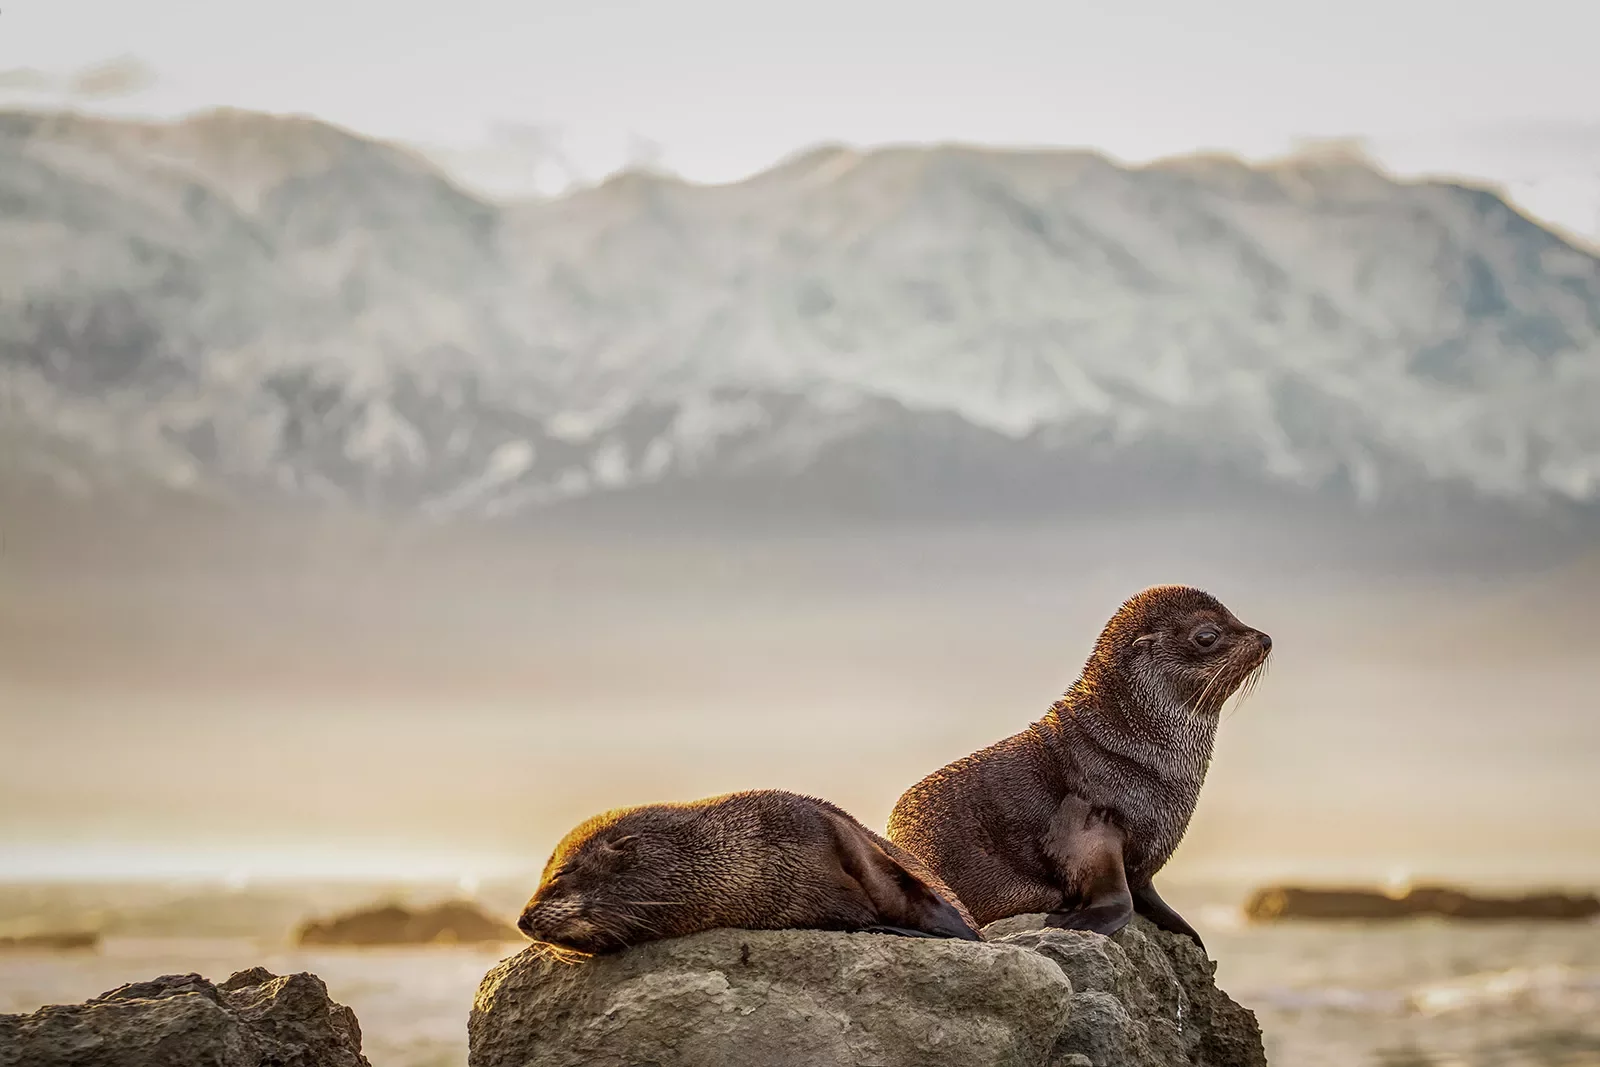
(760, 860)
(1077, 813)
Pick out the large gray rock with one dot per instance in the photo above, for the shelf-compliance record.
(744, 998)
(253, 1019)
(1028, 998)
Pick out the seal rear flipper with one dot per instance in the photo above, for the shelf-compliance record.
(1147, 902)
(939, 919)
(901, 931)
(899, 894)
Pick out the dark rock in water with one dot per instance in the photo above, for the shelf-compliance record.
(453, 922)
(1030, 996)
(1276, 903)
(253, 1019)
(65, 941)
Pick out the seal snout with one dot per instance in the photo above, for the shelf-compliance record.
(558, 919)
(542, 916)
(1265, 641)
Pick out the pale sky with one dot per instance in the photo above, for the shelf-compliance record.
(718, 89)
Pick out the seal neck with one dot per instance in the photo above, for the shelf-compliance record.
(1146, 732)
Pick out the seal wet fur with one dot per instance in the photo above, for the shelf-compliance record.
(1075, 815)
(760, 860)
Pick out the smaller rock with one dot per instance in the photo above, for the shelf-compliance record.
(1276, 903)
(252, 1019)
(60, 941)
(453, 922)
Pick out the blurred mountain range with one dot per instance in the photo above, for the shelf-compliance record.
(241, 306)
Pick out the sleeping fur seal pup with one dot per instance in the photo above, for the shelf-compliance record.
(760, 860)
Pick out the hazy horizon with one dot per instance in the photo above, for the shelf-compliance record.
(434, 707)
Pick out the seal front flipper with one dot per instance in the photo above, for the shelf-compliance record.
(1084, 846)
(1147, 902)
(1104, 919)
(1107, 904)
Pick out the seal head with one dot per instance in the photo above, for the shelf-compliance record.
(1170, 647)
(595, 892)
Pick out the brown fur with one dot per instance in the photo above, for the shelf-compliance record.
(1075, 815)
(762, 860)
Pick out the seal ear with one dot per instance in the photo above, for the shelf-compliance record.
(901, 896)
(1145, 641)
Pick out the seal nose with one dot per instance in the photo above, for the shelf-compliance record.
(1266, 641)
(525, 923)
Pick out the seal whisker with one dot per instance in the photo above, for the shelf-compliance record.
(1199, 703)
(615, 927)
(561, 953)
(1255, 678)
(615, 916)
(610, 927)
(1251, 680)
(1224, 671)
(644, 924)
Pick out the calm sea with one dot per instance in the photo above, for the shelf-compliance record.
(1426, 993)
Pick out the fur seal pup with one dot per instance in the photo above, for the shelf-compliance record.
(1075, 815)
(760, 860)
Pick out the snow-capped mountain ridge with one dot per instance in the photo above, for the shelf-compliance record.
(242, 303)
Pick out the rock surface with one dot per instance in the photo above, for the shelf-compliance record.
(1031, 996)
(454, 922)
(255, 1018)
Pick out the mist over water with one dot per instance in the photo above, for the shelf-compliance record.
(362, 701)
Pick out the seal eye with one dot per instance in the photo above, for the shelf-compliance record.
(1206, 638)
